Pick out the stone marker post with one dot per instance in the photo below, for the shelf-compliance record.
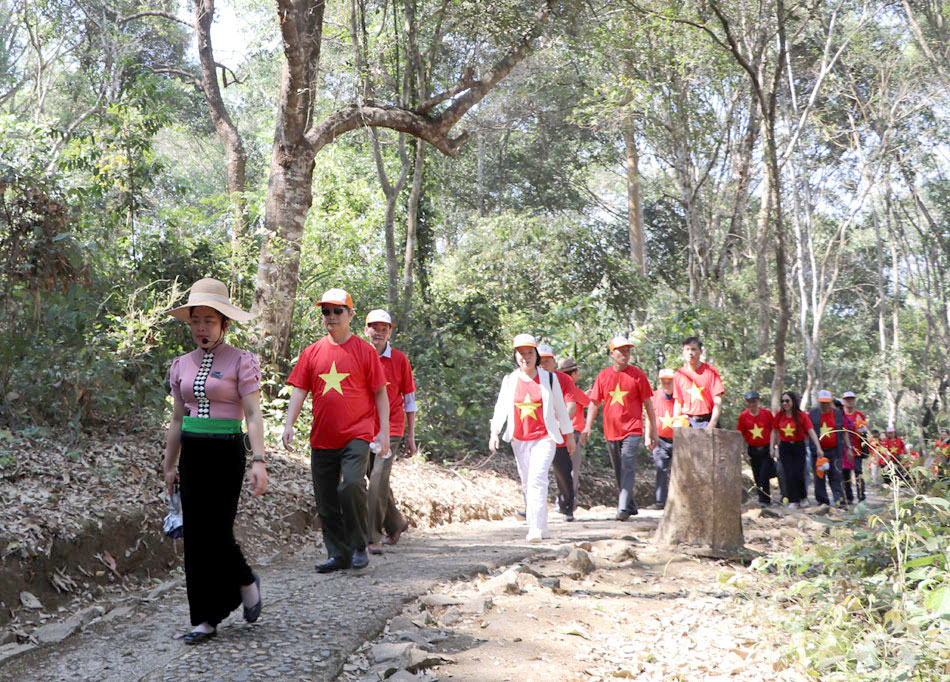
(703, 512)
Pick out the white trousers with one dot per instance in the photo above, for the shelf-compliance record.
(534, 459)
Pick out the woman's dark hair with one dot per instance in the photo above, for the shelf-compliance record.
(796, 401)
(537, 357)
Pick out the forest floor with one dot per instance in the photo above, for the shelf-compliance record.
(462, 597)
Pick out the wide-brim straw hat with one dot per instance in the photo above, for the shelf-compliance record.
(214, 294)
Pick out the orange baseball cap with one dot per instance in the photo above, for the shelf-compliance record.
(337, 297)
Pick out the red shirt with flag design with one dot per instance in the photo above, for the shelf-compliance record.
(399, 382)
(695, 390)
(860, 421)
(792, 429)
(623, 394)
(895, 448)
(529, 414)
(663, 407)
(343, 380)
(569, 391)
(756, 429)
(827, 435)
(579, 420)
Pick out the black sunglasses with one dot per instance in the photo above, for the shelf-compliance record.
(339, 310)
(786, 400)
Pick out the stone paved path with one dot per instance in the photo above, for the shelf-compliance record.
(310, 624)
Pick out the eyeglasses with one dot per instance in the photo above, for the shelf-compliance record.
(786, 400)
(339, 310)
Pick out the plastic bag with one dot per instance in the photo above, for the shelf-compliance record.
(173, 524)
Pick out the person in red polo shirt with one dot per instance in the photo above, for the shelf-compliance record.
(859, 445)
(663, 406)
(348, 384)
(755, 424)
(562, 458)
(697, 387)
(383, 515)
(625, 391)
(571, 369)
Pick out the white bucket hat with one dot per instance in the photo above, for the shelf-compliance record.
(214, 294)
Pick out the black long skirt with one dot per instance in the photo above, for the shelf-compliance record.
(211, 473)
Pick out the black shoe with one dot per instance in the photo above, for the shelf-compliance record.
(195, 637)
(334, 563)
(522, 513)
(657, 505)
(568, 517)
(252, 613)
(360, 559)
(622, 516)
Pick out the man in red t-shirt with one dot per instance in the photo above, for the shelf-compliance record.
(829, 424)
(894, 450)
(562, 458)
(859, 445)
(348, 384)
(401, 390)
(663, 406)
(625, 391)
(697, 387)
(578, 419)
(756, 424)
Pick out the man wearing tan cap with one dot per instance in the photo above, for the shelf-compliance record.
(829, 423)
(401, 389)
(571, 369)
(346, 378)
(562, 459)
(625, 391)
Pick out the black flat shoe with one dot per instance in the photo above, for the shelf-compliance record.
(194, 637)
(360, 560)
(334, 563)
(252, 613)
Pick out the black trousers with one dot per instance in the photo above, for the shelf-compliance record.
(564, 475)
(339, 484)
(859, 477)
(211, 472)
(792, 455)
(761, 462)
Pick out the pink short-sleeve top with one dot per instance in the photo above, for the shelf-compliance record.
(234, 374)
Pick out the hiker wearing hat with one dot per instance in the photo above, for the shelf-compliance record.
(894, 449)
(562, 458)
(532, 410)
(348, 384)
(214, 388)
(859, 444)
(697, 387)
(578, 419)
(625, 391)
(831, 435)
(791, 428)
(663, 408)
(383, 515)
(755, 424)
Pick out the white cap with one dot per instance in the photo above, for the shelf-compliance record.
(545, 351)
(378, 315)
(890, 427)
(848, 394)
(524, 340)
(619, 342)
(667, 373)
(824, 396)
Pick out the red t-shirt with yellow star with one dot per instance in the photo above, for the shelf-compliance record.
(792, 429)
(343, 380)
(399, 382)
(695, 390)
(757, 430)
(623, 394)
(827, 437)
(895, 448)
(663, 407)
(579, 420)
(529, 414)
(569, 391)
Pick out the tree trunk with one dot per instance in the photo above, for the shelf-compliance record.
(412, 228)
(703, 512)
(764, 298)
(784, 309)
(634, 206)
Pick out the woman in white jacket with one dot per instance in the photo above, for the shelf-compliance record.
(534, 413)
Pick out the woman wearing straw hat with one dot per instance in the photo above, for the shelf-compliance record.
(534, 431)
(214, 387)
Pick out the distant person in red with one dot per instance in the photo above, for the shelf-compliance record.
(570, 368)
(894, 445)
(625, 391)
(348, 384)
(791, 428)
(755, 425)
(697, 387)
(663, 405)
(383, 514)
(532, 410)
(562, 458)
(859, 446)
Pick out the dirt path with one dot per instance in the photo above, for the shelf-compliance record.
(634, 612)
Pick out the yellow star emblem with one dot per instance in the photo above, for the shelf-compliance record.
(756, 431)
(528, 409)
(696, 392)
(666, 422)
(333, 379)
(789, 430)
(617, 394)
(825, 431)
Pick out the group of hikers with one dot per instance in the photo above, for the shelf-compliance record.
(364, 408)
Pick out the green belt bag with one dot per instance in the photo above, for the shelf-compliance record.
(205, 425)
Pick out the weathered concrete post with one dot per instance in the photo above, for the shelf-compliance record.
(703, 512)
